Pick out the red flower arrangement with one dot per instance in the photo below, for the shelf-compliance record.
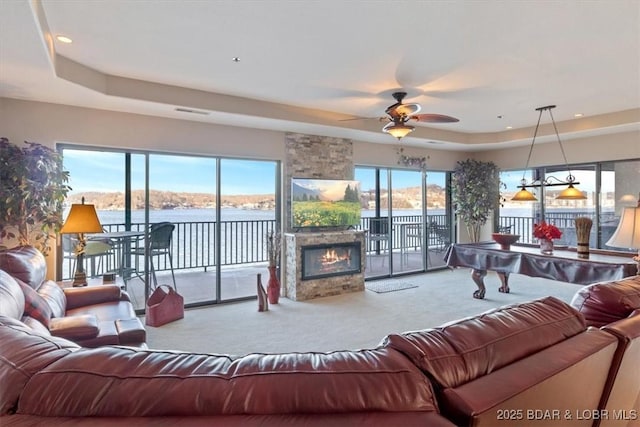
(546, 231)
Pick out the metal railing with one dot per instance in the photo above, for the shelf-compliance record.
(242, 242)
(565, 221)
(434, 237)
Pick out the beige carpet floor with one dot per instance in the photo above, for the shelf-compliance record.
(350, 321)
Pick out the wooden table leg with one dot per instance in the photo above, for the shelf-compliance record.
(504, 279)
(478, 279)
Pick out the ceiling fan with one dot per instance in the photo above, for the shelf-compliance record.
(399, 114)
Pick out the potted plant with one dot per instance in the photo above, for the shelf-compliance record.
(32, 193)
(475, 189)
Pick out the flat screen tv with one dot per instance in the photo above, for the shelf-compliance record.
(324, 203)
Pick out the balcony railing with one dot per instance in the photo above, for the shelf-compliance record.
(242, 242)
(565, 221)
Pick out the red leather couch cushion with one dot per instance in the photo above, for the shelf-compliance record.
(464, 350)
(607, 302)
(164, 383)
(11, 296)
(26, 263)
(25, 352)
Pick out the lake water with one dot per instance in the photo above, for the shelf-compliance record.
(234, 214)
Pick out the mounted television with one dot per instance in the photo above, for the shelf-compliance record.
(324, 203)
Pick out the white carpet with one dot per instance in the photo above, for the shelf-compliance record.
(350, 321)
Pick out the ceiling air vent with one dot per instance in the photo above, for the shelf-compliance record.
(192, 111)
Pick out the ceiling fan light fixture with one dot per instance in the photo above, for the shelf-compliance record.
(398, 130)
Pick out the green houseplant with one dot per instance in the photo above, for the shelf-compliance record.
(476, 192)
(32, 193)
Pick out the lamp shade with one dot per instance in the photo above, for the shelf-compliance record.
(82, 219)
(398, 130)
(524, 196)
(627, 235)
(571, 193)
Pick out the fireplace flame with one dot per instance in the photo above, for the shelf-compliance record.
(331, 256)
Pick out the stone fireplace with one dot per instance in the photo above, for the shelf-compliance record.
(333, 259)
(323, 264)
(330, 259)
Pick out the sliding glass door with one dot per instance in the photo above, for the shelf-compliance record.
(247, 214)
(182, 192)
(407, 196)
(219, 211)
(408, 227)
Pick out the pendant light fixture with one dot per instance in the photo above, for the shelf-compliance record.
(569, 193)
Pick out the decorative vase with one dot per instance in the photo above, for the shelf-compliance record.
(273, 287)
(546, 246)
(263, 302)
(583, 229)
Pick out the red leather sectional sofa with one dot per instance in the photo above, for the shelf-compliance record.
(536, 363)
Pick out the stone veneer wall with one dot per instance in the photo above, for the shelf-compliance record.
(300, 290)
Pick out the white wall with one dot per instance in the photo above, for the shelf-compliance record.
(618, 146)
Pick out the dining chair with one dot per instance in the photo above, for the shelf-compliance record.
(159, 245)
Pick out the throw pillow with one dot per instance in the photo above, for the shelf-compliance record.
(34, 305)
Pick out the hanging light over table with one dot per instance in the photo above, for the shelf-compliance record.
(569, 193)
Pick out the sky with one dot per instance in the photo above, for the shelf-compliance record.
(168, 173)
(104, 172)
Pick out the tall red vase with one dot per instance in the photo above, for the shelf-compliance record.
(273, 286)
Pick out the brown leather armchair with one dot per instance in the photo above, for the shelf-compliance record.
(90, 316)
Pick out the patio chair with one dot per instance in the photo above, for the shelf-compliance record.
(378, 233)
(439, 236)
(159, 244)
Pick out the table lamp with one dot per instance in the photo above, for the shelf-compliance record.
(82, 219)
(627, 235)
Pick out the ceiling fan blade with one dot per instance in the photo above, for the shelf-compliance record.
(434, 118)
(380, 119)
(354, 118)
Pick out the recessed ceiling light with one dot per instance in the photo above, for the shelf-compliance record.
(509, 127)
(578, 115)
(64, 39)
